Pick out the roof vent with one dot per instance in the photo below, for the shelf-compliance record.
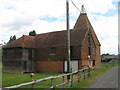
(83, 11)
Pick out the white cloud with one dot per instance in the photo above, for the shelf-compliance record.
(18, 17)
(106, 29)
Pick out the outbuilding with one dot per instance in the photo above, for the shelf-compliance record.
(48, 52)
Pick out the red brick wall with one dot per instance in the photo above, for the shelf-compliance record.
(84, 52)
(98, 58)
(79, 64)
(95, 55)
(84, 62)
(50, 66)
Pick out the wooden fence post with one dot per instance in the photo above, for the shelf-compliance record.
(33, 84)
(88, 71)
(84, 73)
(69, 83)
(71, 80)
(78, 76)
(51, 81)
(63, 80)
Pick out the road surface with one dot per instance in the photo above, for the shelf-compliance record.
(109, 80)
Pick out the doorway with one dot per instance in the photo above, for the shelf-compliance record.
(74, 65)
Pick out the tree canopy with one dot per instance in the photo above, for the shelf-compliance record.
(12, 38)
(105, 54)
(32, 33)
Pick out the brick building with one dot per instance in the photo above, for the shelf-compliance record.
(48, 52)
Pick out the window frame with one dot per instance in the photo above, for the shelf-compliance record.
(52, 51)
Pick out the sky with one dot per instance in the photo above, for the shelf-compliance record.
(19, 17)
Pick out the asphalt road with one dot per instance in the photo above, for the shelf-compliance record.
(109, 80)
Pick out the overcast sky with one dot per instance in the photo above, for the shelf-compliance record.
(18, 17)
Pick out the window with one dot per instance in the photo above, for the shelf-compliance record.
(89, 40)
(52, 51)
(89, 51)
(88, 37)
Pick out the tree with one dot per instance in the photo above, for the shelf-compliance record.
(12, 38)
(105, 54)
(32, 33)
(105, 57)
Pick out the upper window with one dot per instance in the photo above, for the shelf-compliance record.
(52, 51)
(88, 38)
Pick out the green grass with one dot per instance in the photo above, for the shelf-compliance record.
(10, 79)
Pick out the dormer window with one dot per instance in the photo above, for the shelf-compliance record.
(52, 51)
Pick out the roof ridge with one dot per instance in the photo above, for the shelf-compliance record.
(52, 32)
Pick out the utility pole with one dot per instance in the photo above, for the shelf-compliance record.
(68, 38)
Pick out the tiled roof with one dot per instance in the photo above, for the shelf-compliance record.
(82, 24)
(23, 42)
(59, 38)
(52, 39)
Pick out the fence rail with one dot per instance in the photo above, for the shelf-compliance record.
(85, 71)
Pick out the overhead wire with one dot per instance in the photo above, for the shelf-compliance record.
(75, 5)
